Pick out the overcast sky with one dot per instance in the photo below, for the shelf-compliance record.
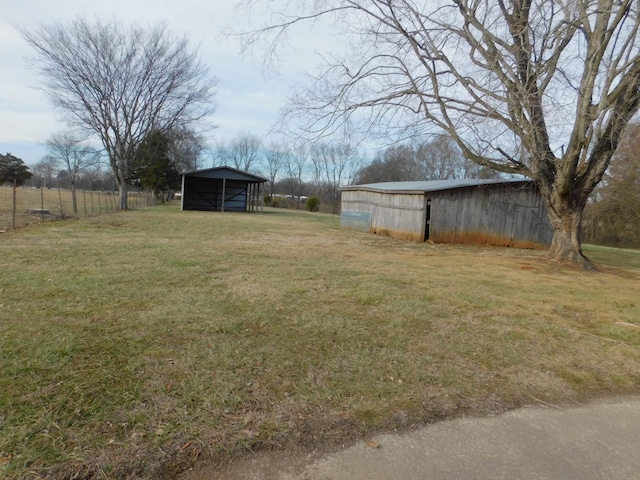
(247, 101)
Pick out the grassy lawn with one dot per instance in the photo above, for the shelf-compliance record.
(134, 344)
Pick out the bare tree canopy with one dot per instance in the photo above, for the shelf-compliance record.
(121, 82)
(531, 87)
(75, 155)
(436, 159)
(276, 156)
(332, 166)
(243, 152)
(44, 170)
(186, 149)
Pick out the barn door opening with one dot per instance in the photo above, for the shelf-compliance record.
(427, 223)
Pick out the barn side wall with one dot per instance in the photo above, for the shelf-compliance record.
(398, 216)
(504, 214)
(510, 215)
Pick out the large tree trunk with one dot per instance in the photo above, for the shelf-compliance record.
(74, 199)
(565, 214)
(124, 193)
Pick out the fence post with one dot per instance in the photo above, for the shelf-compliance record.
(15, 187)
(60, 198)
(42, 202)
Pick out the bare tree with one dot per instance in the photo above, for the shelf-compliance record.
(530, 87)
(436, 159)
(276, 155)
(441, 159)
(333, 166)
(120, 83)
(296, 166)
(70, 150)
(242, 152)
(396, 163)
(94, 177)
(45, 169)
(186, 148)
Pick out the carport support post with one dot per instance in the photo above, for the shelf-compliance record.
(254, 196)
(182, 193)
(224, 188)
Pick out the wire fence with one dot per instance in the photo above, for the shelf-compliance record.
(37, 205)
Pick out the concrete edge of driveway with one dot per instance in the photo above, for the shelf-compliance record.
(599, 440)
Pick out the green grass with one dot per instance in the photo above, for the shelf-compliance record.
(134, 344)
(611, 256)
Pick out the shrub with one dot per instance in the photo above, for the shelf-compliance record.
(313, 203)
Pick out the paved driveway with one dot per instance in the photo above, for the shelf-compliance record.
(597, 441)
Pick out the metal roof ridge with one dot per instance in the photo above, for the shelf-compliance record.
(431, 185)
(225, 167)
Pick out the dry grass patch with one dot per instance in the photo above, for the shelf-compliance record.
(133, 345)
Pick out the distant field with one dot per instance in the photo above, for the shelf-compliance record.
(135, 344)
(58, 204)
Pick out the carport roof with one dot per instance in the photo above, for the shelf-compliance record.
(226, 173)
(431, 186)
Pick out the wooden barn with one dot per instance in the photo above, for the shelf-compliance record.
(505, 212)
(221, 189)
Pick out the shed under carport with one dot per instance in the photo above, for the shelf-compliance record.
(221, 189)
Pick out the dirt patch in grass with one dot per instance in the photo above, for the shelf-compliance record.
(135, 345)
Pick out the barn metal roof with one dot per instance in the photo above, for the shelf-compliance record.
(431, 186)
(227, 173)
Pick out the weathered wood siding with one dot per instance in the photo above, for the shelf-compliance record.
(399, 216)
(511, 215)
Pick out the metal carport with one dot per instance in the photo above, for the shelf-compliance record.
(221, 189)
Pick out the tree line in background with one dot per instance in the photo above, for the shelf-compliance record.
(613, 215)
(320, 168)
(296, 173)
(437, 159)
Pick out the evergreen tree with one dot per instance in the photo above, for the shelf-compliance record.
(13, 170)
(154, 169)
